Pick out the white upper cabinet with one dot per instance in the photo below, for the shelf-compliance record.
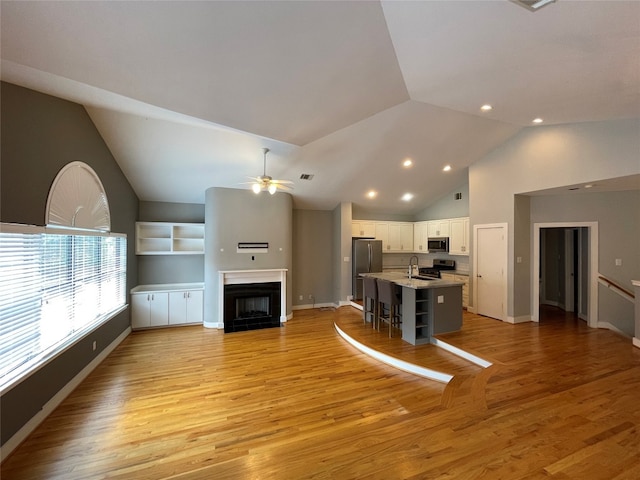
(420, 237)
(382, 233)
(361, 228)
(400, 237)
(459, 236)
(438, 228)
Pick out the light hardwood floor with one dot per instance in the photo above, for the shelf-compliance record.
(560, 401)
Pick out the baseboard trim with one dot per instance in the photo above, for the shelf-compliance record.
(613, 328)
(520, 319)
(636, 342)
(21, 435)
(395, 362)
(311, 306)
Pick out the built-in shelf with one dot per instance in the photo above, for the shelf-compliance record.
(163, 238)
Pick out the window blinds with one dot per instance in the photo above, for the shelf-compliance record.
(53, 288)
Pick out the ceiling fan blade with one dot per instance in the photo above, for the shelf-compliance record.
(282, 182)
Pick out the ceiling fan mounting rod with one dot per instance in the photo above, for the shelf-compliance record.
(264, 170)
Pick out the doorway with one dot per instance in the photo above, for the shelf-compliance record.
(565, 259)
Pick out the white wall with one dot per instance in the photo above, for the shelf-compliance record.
(539, 158)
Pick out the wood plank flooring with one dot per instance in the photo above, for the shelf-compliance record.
(560, 401)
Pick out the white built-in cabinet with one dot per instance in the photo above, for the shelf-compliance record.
(164, 238)
(420, 237)
(382, 233)
(186, 307)
(149, 309)
(438, 228)
(465, 287)
(363, 229)
(166, 305)
(403, 237)
(459, 236)
(400, 237)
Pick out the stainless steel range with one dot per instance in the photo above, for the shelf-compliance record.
(438, 266)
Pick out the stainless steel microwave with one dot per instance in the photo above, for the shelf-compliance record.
(438, 244)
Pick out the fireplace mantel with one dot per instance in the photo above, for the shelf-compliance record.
(236, 277)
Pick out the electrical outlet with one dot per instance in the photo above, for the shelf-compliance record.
(440, 298)
(95, 345)
(618, 262)
(300, 297)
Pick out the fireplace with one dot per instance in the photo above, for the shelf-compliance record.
(250, 306)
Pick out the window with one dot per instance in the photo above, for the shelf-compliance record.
(55, 286)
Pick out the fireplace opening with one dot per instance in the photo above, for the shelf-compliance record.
(251, 306)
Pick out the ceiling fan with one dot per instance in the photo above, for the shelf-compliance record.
(265, 182)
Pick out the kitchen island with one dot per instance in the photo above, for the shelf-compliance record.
(429, 306)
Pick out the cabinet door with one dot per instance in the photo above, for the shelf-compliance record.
(420, 237)
(465, 289)
(406, 237)
(195, 306)
(159, 309)
(395, 239)
(457, 239)
(140, 310)
(438, 228)
(177, 308)
(382, 233)
(363, 229)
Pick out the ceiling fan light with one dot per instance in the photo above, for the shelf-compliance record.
(255, 187)
(272, 188)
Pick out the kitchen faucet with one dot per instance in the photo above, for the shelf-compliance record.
(411, 265)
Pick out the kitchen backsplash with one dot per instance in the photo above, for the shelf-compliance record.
(401, 260)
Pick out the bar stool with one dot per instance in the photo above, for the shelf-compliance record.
(370, 301)
(389, 301)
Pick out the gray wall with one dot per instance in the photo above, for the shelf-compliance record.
(618, 217)
(447, 206)
(41, 134)
(312, 257)
(232, 216)
(170, 268)
(539, 158)
(341, 250)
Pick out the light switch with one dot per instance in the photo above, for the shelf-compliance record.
(518, 259)
(346, 259)
(618, 262)
(440, 298)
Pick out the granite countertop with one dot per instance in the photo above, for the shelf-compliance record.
(416, 283)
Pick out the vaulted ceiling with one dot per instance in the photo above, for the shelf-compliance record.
(186, 94)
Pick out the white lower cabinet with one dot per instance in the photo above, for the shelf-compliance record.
(465, 287)
(149, 309)
(185, 307)
(165, 305)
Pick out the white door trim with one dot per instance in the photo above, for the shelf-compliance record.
(592, 314)
(505, 265)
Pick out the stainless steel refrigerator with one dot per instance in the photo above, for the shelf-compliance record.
(366, 258)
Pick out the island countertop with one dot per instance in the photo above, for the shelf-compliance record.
(402, 279)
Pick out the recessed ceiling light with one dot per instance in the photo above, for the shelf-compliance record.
(538, 120)
(486, 107)
(372, 194)
(446, 168)
(407, 197)
(589, 185)
(407, 163)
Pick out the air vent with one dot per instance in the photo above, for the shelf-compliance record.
(532, 5)
(306, 176)
(457, 196)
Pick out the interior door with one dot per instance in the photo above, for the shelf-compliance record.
(491, 255)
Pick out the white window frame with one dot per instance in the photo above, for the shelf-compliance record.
(77, 318)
